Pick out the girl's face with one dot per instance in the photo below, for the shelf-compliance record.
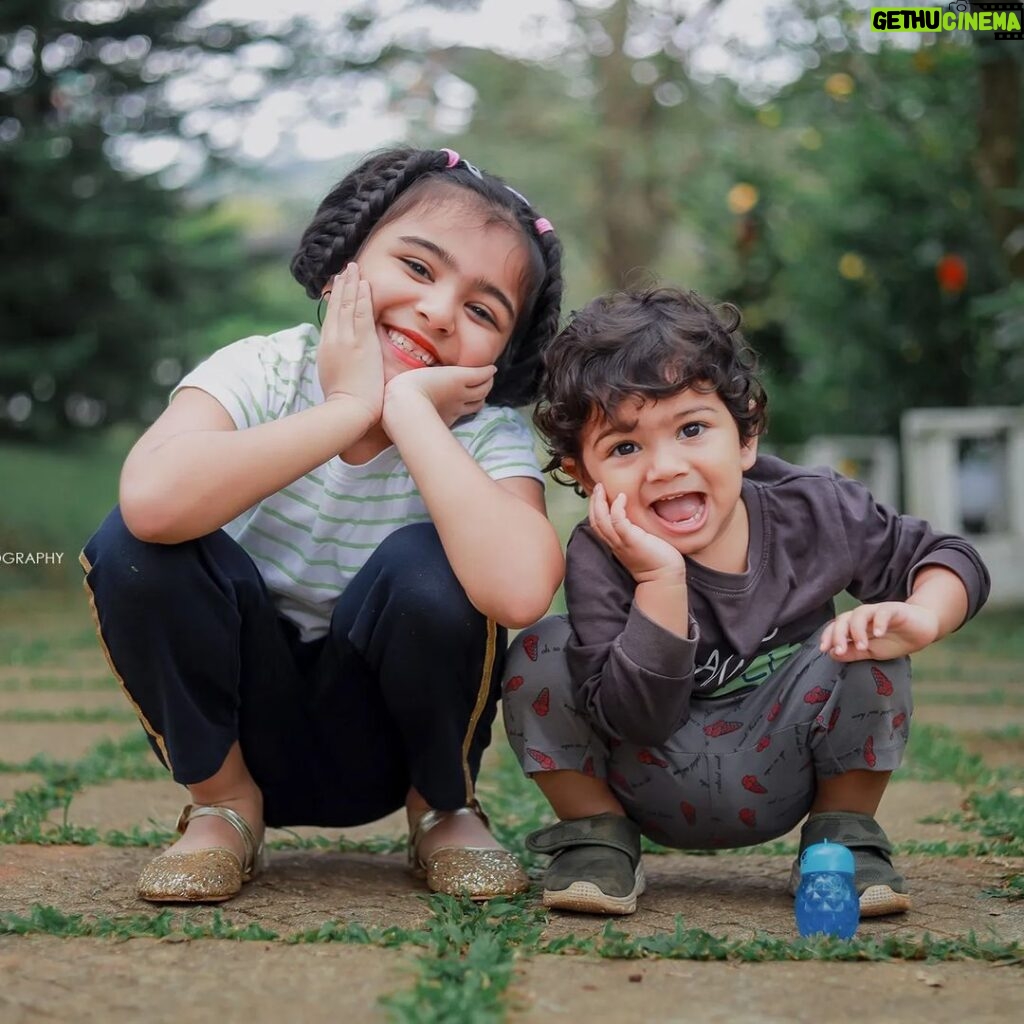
(447, 288)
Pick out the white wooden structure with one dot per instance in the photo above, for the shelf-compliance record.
(963, 471)
(874, 461)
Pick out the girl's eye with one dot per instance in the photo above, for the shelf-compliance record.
(692, 429)
(482, 312)
(420, 269)
(624, 448)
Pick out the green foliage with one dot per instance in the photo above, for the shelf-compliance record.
(108, 274)
(855, 183)
(469, 950)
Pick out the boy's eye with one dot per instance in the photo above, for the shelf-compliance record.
(692, 429)
(624, 448)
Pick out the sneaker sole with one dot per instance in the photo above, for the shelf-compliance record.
(879, 900)
(587, 898)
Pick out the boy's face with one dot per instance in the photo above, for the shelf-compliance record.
(680, 463)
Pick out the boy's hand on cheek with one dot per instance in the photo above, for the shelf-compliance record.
(453, 391)
(348, 359)
(880, 632)
(648, 558)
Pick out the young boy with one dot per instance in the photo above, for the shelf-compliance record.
(703, 690)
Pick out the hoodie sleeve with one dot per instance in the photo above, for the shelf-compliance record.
(631, 676)
(887, 550)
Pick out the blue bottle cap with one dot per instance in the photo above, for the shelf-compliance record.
(826, 856)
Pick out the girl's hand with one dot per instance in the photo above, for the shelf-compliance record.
(880, 632)
(647, 557)
(349, 359)
(453, 391)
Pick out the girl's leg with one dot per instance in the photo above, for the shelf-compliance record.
(189, 630)
(410, 675)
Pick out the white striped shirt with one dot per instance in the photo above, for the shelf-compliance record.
(311, 537)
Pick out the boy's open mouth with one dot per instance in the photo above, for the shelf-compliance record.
(682, 511)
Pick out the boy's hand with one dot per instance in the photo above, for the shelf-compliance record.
(349, 359)
(880, 632)
(454, 391)
(647, 557)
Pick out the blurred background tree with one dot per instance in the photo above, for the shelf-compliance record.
(866, 217)
(859, 197)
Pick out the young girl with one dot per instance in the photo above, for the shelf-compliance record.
(305, 588)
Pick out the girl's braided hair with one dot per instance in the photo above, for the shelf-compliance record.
(649, 344)
(388, 184)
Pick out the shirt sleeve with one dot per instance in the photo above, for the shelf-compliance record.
(236, 376)
(888, 549)
(502, 446)
(633, 677)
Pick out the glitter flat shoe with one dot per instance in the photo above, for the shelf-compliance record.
(480, 874)
(202, 876)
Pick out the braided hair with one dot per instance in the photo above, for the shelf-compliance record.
(388, 184)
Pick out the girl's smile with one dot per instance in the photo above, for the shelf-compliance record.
(431, 304)
(412, 349)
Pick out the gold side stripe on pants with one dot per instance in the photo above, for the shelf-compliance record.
(481, 703)
(158, 739)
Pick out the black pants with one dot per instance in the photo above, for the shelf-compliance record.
(402, 690)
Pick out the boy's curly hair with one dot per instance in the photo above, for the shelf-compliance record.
(647, 344)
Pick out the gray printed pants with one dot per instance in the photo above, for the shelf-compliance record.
(743, 769)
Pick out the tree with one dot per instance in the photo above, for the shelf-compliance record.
(844, 212)
(101, 276)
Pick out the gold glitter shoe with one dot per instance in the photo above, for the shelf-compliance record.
(471, 871)
(202, 876)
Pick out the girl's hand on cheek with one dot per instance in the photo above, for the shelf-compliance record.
(452, 391)
(648, 558)
(349, 360)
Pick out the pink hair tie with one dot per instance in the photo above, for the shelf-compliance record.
(543, 225)
(453, 157)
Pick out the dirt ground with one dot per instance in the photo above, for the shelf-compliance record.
(48, 978)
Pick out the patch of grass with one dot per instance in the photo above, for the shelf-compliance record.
(696, 944)
(88, 715)
(88, 470)
(1011, 889)
(983, 698)
(46, 920)
(999, 817)
(469, 949)
(993, 633)
(372, 844)
(1008, 734)
(60, 684)
(469, 961)
(23, 818)
(934, 754)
